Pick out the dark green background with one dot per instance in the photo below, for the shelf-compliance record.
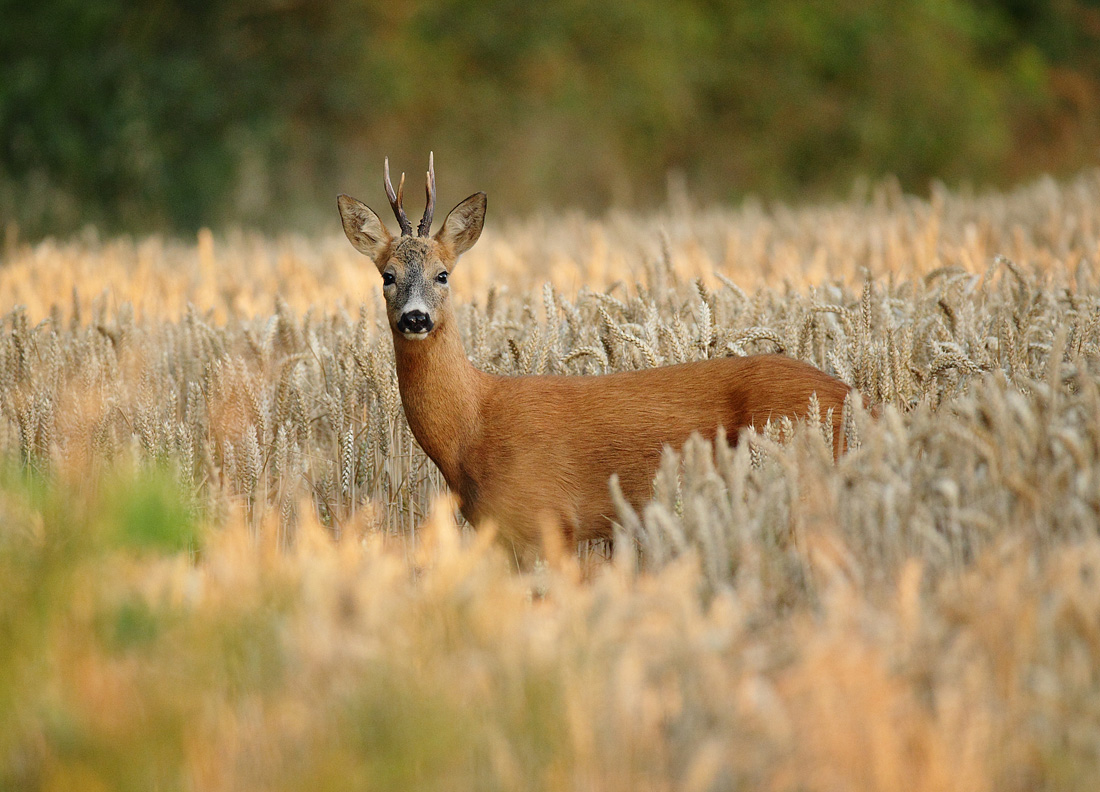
(173, 114)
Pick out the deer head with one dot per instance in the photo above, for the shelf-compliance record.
(414, 268)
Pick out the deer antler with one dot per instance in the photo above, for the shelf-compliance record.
(425, 226)
(396, 199)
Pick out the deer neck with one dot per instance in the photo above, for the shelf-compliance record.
(441, 392)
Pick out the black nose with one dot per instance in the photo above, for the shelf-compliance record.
(414, 322)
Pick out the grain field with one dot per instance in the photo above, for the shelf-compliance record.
(226, 565)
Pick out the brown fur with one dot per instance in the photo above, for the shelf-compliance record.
(532, 452)
(536, 453)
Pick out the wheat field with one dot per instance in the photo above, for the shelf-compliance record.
(226, 565)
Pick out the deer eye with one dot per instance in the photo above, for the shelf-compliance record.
(441, 277)
(388, 279)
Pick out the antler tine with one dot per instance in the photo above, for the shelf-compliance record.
(425, 226)
(396, 199)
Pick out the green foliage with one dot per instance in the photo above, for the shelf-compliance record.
(155, 516)
(57, 554)
(174, 114)
(132, 624)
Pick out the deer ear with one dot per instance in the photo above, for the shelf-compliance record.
(463, 225)
(364, 229)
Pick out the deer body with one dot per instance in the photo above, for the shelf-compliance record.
(535, 453)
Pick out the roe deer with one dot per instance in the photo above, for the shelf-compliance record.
(535, 453)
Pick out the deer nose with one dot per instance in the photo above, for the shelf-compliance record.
(415, 322)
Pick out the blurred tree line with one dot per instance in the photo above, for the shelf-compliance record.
(171, 114)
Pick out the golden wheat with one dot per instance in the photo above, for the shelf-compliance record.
(920, 615)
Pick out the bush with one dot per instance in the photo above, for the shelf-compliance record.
(171, 115)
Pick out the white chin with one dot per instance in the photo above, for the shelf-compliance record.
(416, 336)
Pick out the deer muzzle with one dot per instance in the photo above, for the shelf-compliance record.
(415, 323)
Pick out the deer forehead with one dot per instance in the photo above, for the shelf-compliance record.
(414, 254)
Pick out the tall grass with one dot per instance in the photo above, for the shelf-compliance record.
(225, 564)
